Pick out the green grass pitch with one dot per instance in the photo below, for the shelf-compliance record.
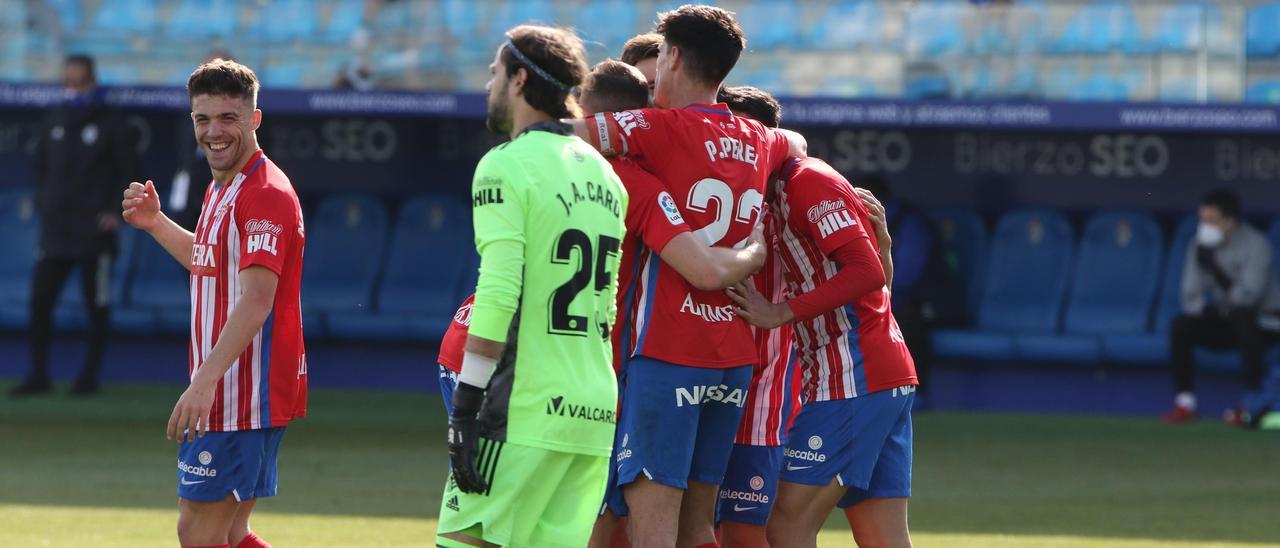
(366, 469)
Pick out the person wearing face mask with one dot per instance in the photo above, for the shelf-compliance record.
(1230, 300)
(85, 156)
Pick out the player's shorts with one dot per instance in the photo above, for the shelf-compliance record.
(536, 497)
(864, 443)
(677, 424)
(241, 464)
(448, 382)
(750, 485)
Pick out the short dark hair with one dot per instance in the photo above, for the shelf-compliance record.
(1226, 200)
(559, 53)
(641, 47)
(616, 86)
(222, 77)
(85, 61)
(709, 38)
(752, 102)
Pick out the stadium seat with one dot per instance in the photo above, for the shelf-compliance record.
(935, 29)
(1025, 289)
(770, 24)
(1261, 38)
(18, 232)
(346, 238)
(344, 21)
(1152, 348)
(129, 16)
(1180, 28)
(927, 86)
(70, 13)
(510, 14)
(964, 241)
(196, 19)
(284, 20)
(160, 286)
(1265, 91)
(1100, 87)
(427, 263)
(611, 22)
(461, 19)
(1117, 275)
(1099, 27)
(846, 25)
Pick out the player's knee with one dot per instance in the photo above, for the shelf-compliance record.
(192, 532)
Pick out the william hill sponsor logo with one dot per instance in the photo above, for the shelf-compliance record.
(558, 407)
(486, 196)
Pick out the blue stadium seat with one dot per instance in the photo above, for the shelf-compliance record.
(344, 21)
(769, 24)
(1153, 348)
(196, 19)
(69, 12)
(1025, 289)
(285, 20)
(288, 73)
(1100, 87)
(1266, 91)
(161, 286)
(1180, 28)
(1099, 27)
(427, 264)
(927, 86)
(131, 16)
(18, 232)
(13, 14)
(1261, 38)
(461, 18)
(846, 25)
(935, 29)
(611, 22)
(1117, 274)
(346, 238)
(847, 86)
(510, 14)
(964, 241)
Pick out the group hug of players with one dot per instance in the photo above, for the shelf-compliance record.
(754, 379)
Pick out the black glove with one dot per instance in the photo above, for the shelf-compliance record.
(1205, 258)
(464, 438)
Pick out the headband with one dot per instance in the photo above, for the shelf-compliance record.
(529, 64)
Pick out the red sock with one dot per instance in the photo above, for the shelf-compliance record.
(252, 540)
(709, 545)
(207, 546)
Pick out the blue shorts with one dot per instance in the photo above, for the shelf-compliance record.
(750, 485)
(448, 381)
(863, 443)
(677, 424)
(241, 464)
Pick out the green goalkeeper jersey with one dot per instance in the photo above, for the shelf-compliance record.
(548, 213)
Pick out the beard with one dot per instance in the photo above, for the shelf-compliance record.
(499, 116)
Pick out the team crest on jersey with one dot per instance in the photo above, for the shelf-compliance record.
(831, 216)
(629, 120)
(668, 205)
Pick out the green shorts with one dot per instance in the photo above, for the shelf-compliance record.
(536, 497)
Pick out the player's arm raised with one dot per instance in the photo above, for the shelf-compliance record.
(141, 209)
(712, 268)
(190, 415)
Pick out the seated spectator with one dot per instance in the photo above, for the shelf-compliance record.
(1228, 295)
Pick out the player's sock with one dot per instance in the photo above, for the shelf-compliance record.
(1185, 400)
(207, 546)
(709, 545)
(252, 540)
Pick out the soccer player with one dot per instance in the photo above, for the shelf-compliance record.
(451, 351)
(851, 443)
(641, 52)
(534, 410)
(689, 360)
(247, 364)
(655, 229)
(751, 482)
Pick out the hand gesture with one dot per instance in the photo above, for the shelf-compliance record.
(141, 205)
(757, 310)
(879, 221)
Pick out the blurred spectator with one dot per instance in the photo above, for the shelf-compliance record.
(925, 292)
(84, 159)
(355, 75)
(186, 191)
(1228, 295)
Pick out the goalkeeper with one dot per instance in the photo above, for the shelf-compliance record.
(534, 410)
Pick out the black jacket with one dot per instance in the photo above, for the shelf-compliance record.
(85, 157)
